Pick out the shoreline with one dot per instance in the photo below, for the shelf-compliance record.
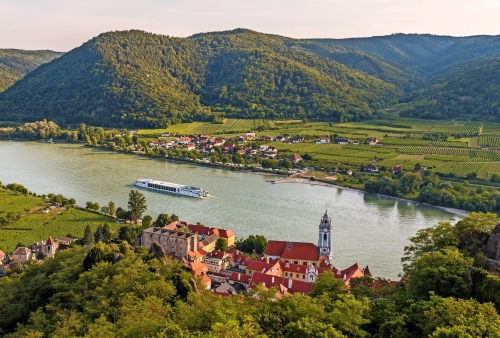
(458, 212)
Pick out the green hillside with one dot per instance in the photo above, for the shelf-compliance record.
(144, 79)
(15, 64)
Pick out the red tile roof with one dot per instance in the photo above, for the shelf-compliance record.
(274, 248)
(241, 260)
(300, 251)
(50, 241)
(292, 286)
(217, 254)
(207, 231)
(198, 268)
(240, 277)
(2, 254)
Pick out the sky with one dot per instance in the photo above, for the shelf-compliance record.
(65, 24)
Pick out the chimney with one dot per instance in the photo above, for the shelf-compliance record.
(264, 283)
(267, 259)
(345, 278)
(272, 280)
(290, 283)
(239, 275)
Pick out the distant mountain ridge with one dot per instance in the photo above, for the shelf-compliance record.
(16, 63)
(142, 79)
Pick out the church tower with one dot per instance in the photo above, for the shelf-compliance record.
(325, 235)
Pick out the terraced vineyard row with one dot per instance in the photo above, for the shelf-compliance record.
(433, 150)
(447, 158)
(489, 169)
(72, 221)
(492, 141)
(462, 127)
(11, 202)
(459, 168)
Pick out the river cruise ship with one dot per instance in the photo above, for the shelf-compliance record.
(173, 188)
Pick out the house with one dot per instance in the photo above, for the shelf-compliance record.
(284, 285)
(189, 147)
(203, 138)
(485, 148)
(184, 140)
(271, 268)
(241, 139)
(22, 255)
(298, 139)
(342, 140)
(198, 268)
(217, 142)
(324, 139)
(153, 144)
(271, 152)
(370, 168)
(231, 289)
(242, 151)
(240, 278)
(250, 136)
(279, 138)
(216, 261)
(263, 148)
(372, 141)
(228, 147)
(204, 232)
(2, 256)
(349, 172)
(355, 142)
(397, 169)
(208, 244)
(295, 158)
(240, 261)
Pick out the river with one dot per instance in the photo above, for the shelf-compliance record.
(370, 230)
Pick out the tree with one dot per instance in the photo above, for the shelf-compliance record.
(88, 236)
(98, 234)
(111, 208)
(221, 244)
(92, 206)
(106, 233)
(174, 218)
(136, 204)
(445, 272)
(71, 202)
(326, 283)
(410, 182)
(162, 220)
(94, 256)
(287, 163)
(105, 209)
(146, 221)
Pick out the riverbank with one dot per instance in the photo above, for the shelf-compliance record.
(454, 211)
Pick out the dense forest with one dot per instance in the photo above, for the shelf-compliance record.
(110, 290)
(15, 64)
(134, 78)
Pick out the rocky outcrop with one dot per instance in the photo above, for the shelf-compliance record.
(157, 251)
(493, 245)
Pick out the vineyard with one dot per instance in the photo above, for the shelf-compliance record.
(491, 141)
(10, 202)
(433, 150)
(37, 227)
(447, 158)
(462, 128)
(489, 169)
(459, 168)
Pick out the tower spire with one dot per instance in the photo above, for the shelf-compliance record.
(325, 233)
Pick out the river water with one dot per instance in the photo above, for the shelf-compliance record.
(368, 229)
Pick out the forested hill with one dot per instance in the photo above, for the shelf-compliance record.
(16, 63)
(134, 78)
(145, 79)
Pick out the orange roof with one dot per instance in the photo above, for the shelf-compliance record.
(267, 268)
(50, 241)
(292, 286)
(296, 268)
(2, 254)
(198, 268)
(217, 254)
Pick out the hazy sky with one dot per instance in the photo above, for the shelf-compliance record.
(65, 24)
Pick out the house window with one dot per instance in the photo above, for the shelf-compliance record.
(286, 261)
(297, 275)
(295, 262)
(303, 276)
(304, 263)
(286, 274)
(313, 264)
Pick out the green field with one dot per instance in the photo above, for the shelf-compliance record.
(37, 227)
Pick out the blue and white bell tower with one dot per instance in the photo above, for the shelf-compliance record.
(325, 235)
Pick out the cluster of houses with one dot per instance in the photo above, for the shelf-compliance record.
(36, 251)
(291, 267)
(345, 140)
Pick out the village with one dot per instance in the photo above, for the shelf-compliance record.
(291, 267)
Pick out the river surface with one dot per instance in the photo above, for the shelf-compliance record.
(370, 230)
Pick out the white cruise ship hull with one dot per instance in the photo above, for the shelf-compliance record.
(172, 188)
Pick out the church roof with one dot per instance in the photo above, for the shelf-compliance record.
(50, 241)
(292, 250)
